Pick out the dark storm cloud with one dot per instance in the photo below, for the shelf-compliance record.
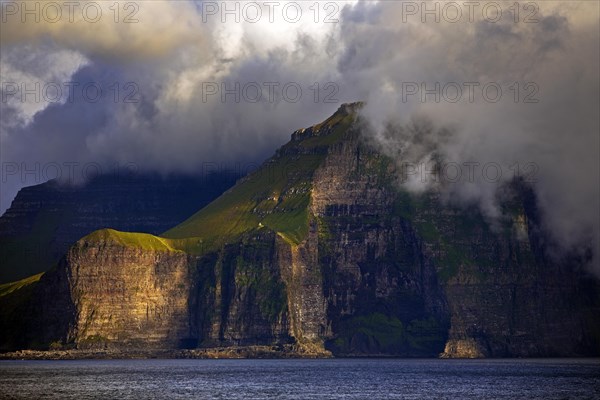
(369, 55)
(558, 134)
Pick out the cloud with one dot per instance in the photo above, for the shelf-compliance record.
(29, 69)
(375, 52)
(119, 31)
(168, 123)
(554, 140)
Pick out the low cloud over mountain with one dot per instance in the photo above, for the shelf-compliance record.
(168, 86)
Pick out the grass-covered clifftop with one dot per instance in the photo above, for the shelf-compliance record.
(276, 196)
(321, 248)
(44, 220)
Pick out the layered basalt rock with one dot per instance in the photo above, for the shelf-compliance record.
(45, 220)
(321, 251)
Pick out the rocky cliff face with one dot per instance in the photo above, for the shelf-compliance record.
(131, 296)
(45, 220)
(323, 250)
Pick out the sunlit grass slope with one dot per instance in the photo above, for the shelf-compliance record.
(275, 197)
(8, 288)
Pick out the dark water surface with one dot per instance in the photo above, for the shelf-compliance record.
(302, 379)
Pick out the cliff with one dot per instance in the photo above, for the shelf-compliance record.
(320, 251)
(46, 219)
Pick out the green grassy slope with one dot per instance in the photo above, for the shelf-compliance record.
(276, 196)
(8, 288)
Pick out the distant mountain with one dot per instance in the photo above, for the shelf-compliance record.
(45, 220)
(319, 252)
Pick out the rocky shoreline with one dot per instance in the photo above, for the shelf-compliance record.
(239, 352)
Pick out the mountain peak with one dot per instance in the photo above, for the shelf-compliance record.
(345, 112)
(320, 250)
(350, 108)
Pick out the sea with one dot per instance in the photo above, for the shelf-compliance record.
(302, 379)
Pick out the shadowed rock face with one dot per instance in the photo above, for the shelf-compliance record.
(363, 268)
(240, 298)
(45, 220)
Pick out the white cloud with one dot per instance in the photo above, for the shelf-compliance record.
(369, 54)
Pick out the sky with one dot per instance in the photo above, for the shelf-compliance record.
(494, 89)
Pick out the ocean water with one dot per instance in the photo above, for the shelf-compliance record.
(302, 379)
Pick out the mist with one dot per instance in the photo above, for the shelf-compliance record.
(179, 65)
